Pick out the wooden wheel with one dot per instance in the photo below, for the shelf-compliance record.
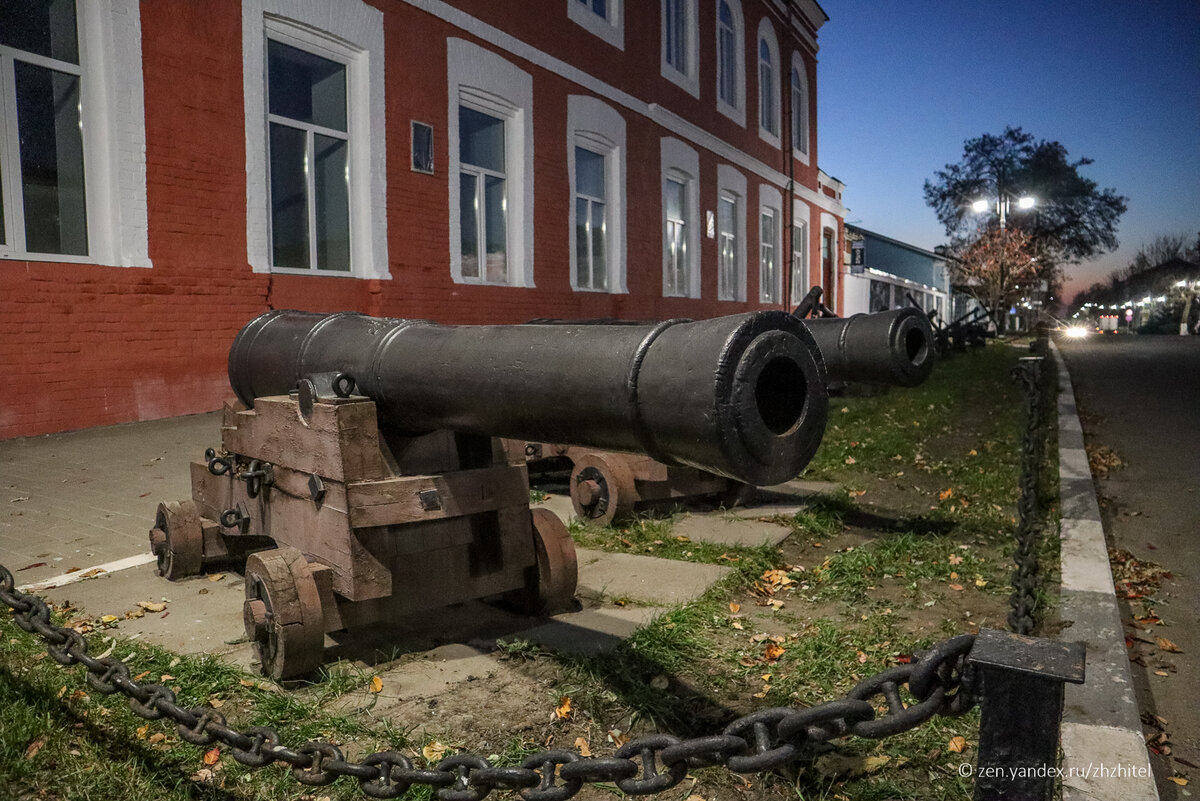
(177, 539)
(557, 566)
(602, 488)
(282, 613)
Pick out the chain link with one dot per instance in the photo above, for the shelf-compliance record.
(1036, 378)
(765, 740)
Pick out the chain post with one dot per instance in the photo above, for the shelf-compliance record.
(1029, 371)
(1020, 682)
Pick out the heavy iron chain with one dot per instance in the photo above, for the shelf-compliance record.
(939, 679)
(1033, 375)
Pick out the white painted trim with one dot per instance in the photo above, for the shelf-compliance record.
(737, 110)
(484, 80)
(351, 31)
(668, 119)
(594, 124)
(611, 30)
(681, 161)
(689, 79)
(770, 198)
(766, 33)
(731, 180)
(797, 66)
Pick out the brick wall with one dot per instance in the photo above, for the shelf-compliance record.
(85, 345)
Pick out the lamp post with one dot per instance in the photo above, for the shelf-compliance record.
(1001, 206)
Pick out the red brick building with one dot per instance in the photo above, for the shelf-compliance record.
(168, 170)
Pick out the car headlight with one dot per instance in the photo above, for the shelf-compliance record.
(1077, 332)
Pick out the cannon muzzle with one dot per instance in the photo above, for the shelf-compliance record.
(741, 396)
(892, 347)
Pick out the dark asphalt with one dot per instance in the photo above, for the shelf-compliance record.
(1140, 396)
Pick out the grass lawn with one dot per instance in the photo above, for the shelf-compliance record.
(914, 547)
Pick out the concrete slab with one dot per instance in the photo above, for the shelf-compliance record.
(733, 529)
(645, 579)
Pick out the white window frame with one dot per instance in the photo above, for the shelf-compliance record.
(113, 117)
(681, 163)
(480, 79)
(736, 110)
(351, 32)
(610, 29)
(766, 33)
(731, 182)
(689, 78)
(770, 201)
(596, 126)
(800, 112)
(800, 252)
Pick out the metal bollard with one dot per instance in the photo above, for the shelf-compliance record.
(1020, 684)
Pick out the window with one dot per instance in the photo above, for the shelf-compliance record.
(768, 257)
(828, 262)
(768, 83)
(596, 168)
(602, 18)
(731, 233)
(72, 170)
(422, 148)
(483, 197)
(799, 261)
(591, 254)
(308, 145)
(770, 276)
(681, 212)
(490, 145)
(679, 41)
(730, 58)
(315, 171)
(880, 296)
(799, 109)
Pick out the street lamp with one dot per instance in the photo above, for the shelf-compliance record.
(1024, 202)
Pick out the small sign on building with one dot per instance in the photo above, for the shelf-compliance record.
(858, 256)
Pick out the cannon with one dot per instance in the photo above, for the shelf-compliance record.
(364, 454)
(893, 347)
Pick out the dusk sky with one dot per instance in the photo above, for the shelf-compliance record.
(903, 84)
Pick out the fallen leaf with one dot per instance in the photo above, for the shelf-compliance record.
(972, 452)
(152, 606)
(216, 577)
(1182, 782)
(216, 703)
(434, 751)
(31, 567)
(946, 493)
(376, 684)
(735, 608)
(246, 682)
(956, 587)
(737, 624)
(957, 744)
(848, 765)
(142, 731)
(166, 677)
(857, 493)
(1168, 646)
(95, 571)
(617, 737)
(851, 460)
(73, 570)
(980, 582)
(955, 559)
(1161, 673)
(563, 710)
(109, 619)
(681, 538)
(34, 747)
(581, 745)
(157, 737)
(773, 651)
(212, 757)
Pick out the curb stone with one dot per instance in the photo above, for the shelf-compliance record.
(1104, 753)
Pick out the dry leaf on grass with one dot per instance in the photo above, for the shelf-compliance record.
(376, 684)
(946, 493)
(1166, 645)
(434, 751)
(563, 710)
(212, 757)
(957, 744)
(32, 750)
(581, 745)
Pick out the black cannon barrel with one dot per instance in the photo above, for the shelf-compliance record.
(742, 396)
(891, 347)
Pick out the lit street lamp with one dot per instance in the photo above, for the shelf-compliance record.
(1024, 202)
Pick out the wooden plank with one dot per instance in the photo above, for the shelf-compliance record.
(411, 499)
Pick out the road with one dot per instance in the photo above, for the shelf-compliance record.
(1140, 396)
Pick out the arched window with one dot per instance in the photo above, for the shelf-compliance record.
(768, 83)
(731, 79)
(800, 128)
